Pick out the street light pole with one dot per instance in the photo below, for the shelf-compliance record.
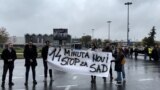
(92, 33)
(109, 22)
(128, 3)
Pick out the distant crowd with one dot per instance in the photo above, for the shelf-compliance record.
(149, 53)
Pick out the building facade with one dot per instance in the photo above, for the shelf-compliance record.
(40, 39)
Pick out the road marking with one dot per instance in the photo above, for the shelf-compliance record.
(147, 79)
(67, 87)
(75, 77)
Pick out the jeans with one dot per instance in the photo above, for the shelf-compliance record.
(123, 72)
(145, 56)
(119, 76)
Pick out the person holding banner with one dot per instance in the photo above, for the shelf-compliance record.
(30, 55)
(108, 49)
(118, 65)
(8, 56)
(93, 48)
(44, 54)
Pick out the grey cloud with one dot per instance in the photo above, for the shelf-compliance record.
(80, 16)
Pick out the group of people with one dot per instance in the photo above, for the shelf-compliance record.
(153, 53)
(30, 54)
(119, 61)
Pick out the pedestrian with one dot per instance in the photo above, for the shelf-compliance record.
(93, 48)
(145, 52)
(155, 53)
(119, 65)
(44, 54)
(150, 53)
(8, 56)
(107, 48)
(131, 52)
(123, 68)
(30, 55)
(125, 51)
(159, 51)
(136, 52)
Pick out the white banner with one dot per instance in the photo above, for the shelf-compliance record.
(80, 61)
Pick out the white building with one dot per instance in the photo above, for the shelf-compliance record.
(16, 40)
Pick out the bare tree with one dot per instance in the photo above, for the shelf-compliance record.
(3, 35)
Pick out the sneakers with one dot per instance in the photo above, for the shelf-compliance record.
(119, 83)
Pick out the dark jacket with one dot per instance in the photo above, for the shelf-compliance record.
(131, 50)
(155, 54)
(44, 52)
(30, 53)
(118, 65)
(159, 52)
(136, 52)
(6, 55)
(146, 50)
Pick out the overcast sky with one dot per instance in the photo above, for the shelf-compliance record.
(80, 17)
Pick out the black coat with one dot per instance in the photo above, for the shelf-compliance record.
(6, 55)
(118, 65)
(155, 54)
(44, 52)
(30, 53)
(136, 52)
(146, 50)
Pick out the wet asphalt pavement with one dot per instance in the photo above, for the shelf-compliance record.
(140, 75)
